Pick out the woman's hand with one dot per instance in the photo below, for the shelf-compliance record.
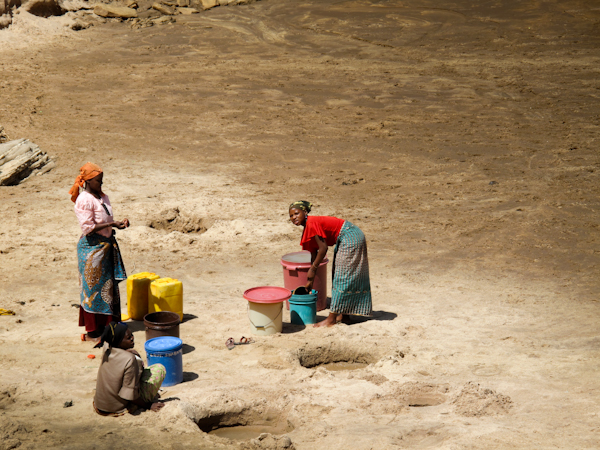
(122, 224)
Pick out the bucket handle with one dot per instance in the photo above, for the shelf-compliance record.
(268, 323)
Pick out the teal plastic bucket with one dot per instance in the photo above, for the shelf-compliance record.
(303, 308)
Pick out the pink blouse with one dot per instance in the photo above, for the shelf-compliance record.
(90, 212)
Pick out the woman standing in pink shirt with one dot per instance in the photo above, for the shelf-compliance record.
(99, 259)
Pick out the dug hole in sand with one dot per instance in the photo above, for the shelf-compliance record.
(460, 138)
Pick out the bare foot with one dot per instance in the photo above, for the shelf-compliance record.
(341, 318)
(86, 337)
(156, 406)
(328, 322)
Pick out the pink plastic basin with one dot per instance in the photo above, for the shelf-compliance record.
(267, 294)
(295, 274)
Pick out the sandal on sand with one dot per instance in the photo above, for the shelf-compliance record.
(230, 343)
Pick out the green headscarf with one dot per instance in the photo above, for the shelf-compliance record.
(303, 205)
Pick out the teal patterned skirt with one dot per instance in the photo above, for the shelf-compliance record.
(100, 271)
(351, 286)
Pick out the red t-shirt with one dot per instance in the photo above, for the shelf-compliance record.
(324, 226)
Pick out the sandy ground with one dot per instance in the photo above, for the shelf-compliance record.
(461, 137)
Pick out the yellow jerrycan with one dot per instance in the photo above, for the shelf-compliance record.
(166, 294)
(138, 285)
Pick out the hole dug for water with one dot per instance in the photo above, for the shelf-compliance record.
(402, 398)
(245, 425)
(44, 8)
(419, 395)
(335, 357)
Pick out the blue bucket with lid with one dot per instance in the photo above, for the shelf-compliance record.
(166, 350)
(303, 307)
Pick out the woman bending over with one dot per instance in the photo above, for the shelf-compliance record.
(351, 287)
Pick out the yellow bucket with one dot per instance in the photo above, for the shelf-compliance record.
(166, 294)
(137, 294)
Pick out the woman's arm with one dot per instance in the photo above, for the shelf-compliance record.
(130, 389)
(101, 226)
(120, 225)
(86, 216)
(316, 258)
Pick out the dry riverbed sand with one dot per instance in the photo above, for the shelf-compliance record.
(461, 137)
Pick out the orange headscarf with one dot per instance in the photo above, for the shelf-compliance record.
(87, 172)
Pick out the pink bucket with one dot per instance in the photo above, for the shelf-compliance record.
(295, 274)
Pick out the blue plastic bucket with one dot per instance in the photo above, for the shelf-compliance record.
(166, 350)
(303, 308)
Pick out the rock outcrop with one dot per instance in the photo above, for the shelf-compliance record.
(20, 159)
(135, 13)
(163, 9)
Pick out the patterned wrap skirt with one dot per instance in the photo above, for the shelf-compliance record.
(100, 271)
(351, 286)
(151, 380)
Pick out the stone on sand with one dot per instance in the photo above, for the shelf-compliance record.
(136, 24)
(163, 20)
(207, 4)
(115, 11)
(164, 9)
(188, 11)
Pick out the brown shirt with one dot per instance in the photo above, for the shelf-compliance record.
(118, 380)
